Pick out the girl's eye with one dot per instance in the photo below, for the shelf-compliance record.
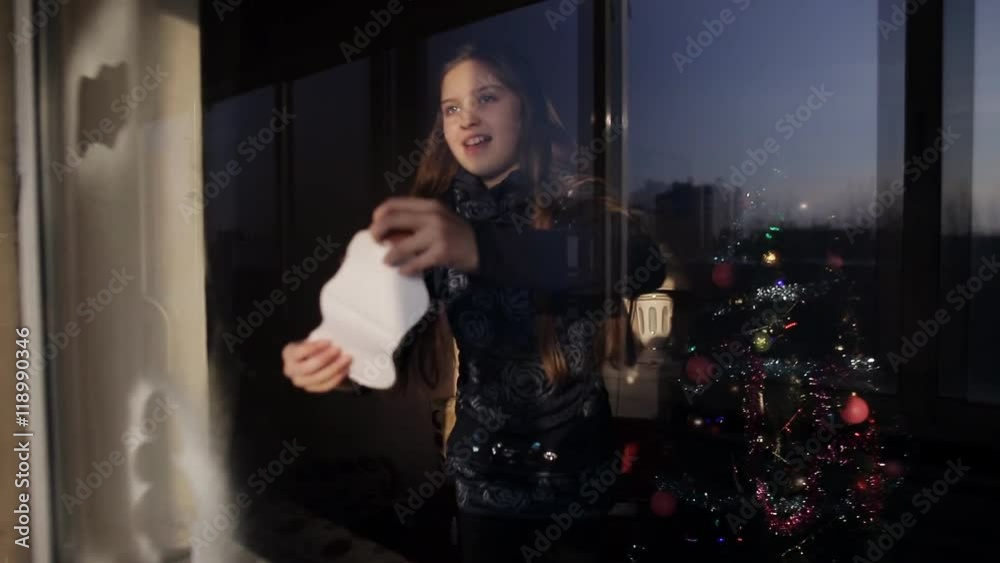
(487, 98)
(450, 110)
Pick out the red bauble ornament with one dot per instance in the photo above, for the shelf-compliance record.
(722, 275)
(894, 469)
(699, 370)
(855, 411)
(834, 261)
(663, 503)
(629, 456)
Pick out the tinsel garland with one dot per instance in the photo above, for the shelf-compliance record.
(775, 313)
(788, 516)
(864, 500)
(790, 519)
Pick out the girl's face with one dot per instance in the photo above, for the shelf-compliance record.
(482, 121)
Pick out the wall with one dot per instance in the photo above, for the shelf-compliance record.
(9, 318)
(124, 279)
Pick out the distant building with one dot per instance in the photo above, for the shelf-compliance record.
(691, 217)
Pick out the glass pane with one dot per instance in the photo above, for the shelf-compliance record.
(984, 385)
(332, 190)
(971, 210)
(752, 150)
(240, 222)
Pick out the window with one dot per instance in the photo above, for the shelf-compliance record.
(752, 127)
(970, 205)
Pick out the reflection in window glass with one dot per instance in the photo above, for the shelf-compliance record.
(753, 148)
(758, 122)
(984, 386)
(802, 74)
(240, 222)
(332, 192)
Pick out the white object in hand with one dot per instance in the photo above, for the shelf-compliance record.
(368, 307)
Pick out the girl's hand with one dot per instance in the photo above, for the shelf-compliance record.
(438, 236)
(316, 366)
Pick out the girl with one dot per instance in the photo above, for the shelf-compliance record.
(504, 232)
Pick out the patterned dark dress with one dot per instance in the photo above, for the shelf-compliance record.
(522, 446)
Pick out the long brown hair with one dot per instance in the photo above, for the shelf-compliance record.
(543, 156)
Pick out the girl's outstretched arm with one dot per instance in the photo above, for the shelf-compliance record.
(568, 257)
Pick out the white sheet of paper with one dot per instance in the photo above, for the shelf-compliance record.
(368, 307)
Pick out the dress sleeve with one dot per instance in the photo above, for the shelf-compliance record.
(567, 257)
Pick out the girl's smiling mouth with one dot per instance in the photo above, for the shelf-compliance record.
(476, 144)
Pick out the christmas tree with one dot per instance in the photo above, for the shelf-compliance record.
(781, 338)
